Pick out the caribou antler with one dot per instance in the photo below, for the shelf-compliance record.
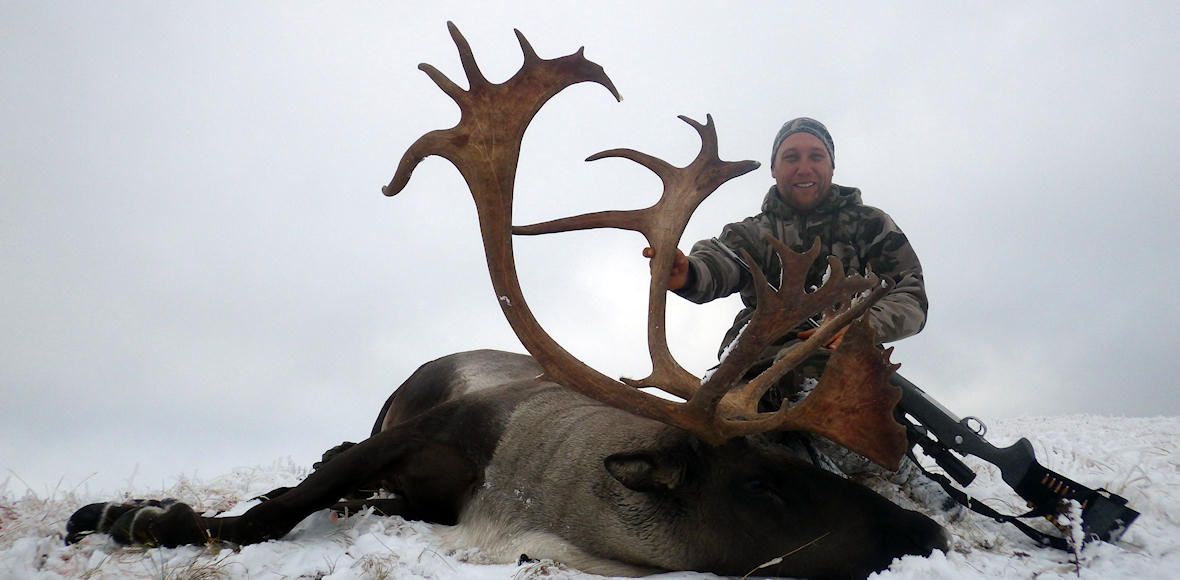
(852, 405)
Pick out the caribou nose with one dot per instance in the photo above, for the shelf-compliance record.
(913, 533)
(944, 540)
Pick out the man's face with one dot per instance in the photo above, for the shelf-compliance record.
(802, 170)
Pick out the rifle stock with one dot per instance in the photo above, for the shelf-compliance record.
(953, 433)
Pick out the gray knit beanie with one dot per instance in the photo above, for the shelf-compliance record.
(804, 125)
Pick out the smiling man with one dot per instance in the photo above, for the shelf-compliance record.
(803, 164)
(802, 205)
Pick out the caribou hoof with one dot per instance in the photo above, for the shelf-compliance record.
(166, 523)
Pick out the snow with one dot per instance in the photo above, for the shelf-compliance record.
(1133, 457)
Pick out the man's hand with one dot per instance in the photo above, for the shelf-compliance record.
(832, 342)
(679, 275)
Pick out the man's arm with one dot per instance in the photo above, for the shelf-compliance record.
(901, 312)
(712, 273)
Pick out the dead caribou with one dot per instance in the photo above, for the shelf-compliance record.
(543, 455)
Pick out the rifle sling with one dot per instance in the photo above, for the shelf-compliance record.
(983, 509)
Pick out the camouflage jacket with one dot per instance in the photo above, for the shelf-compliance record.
(859, 235)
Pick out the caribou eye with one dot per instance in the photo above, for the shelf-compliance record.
(763, 491)
(759, 487)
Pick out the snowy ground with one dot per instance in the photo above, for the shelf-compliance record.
(1129, 456)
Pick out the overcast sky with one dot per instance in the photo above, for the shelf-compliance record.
(200, 271)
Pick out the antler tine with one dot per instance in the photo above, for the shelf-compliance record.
(633, 220)
(530, 55)
(475, 78)
(617, 219)
(708, 133)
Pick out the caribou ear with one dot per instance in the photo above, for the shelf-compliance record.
(646, 471)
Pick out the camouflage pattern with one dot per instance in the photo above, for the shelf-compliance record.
(859, 235)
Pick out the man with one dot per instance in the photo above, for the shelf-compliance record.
(802, 205)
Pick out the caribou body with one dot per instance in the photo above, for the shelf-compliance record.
(609, 492)
(530, 467)
(542, 455)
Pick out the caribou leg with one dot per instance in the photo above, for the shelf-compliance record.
(432, 478)
(326, 457)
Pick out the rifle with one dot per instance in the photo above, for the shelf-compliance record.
(937, 432)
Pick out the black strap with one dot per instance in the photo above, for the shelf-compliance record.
(981, 508)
